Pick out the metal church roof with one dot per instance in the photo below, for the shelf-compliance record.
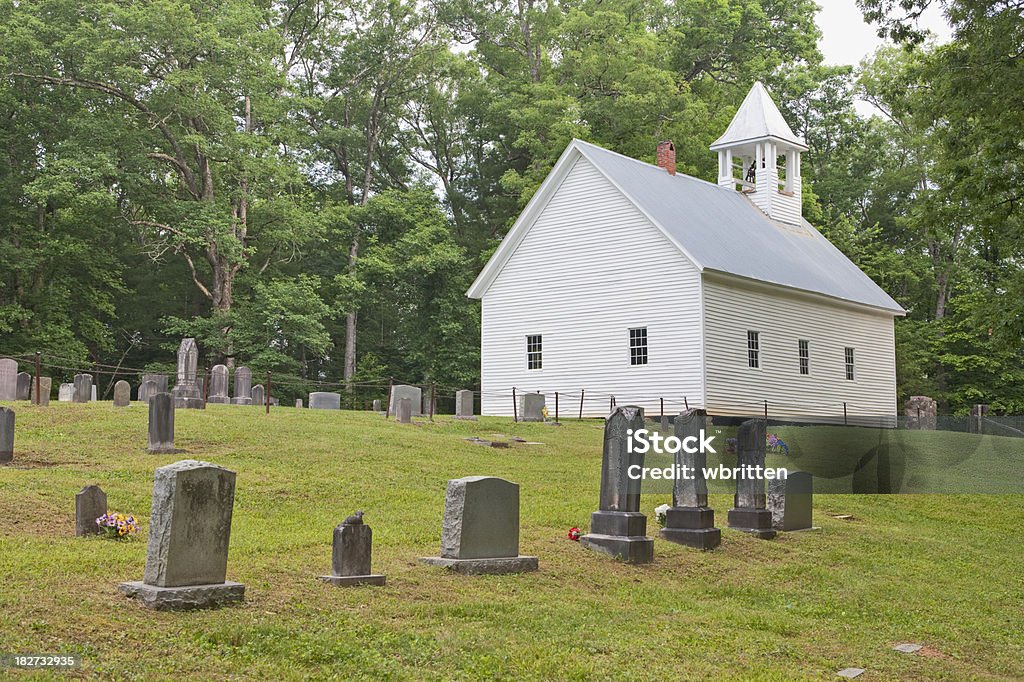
(721, 230)
(758, 118)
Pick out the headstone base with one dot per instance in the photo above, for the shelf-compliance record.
(469, 419)
(495, 566)
(756, 522)
(691, 526)
(219, 399)
(170, 450)
(348, 580)
(183, 403)
(241, 401)
(184, 597)
(632, 550)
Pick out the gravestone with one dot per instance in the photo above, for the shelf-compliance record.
(92, 393)
(83, 388)
(159, 385)
(429, 404)
(464, 405)
(90, 504)
(259, 396)
(690, 521)
(791, 501)
(66, 393)
(6, 435)
(45, 385)
(161, 423)
(749, 513)
(323, 400)
(218, 385)
(480, 532)
(189, 533)
(404, 414)
(350, 555)
(187, 392)
(413, 393)
(298, 402)
(533, 407)
(376, 404)
(8, 379)
(147, 390)
(921, 412)
(24, 389)
(618, 528)
(243, 387)
(122, 394)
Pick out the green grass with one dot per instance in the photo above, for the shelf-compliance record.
(944, 571)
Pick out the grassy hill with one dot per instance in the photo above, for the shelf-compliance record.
(944, 571)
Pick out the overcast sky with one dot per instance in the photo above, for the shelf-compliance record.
(847, 39)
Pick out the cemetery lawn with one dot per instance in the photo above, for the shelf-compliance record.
(940, 570)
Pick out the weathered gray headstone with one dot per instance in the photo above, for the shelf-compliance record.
(8, 379)
(749, 513)
(243, 387)
(189, 534)
(920, 412)
(464, 405)
(533, 407)
(350, 556)
(161, 423)
(6, 435)
(376, 405)
(122, 394)
(480, 533)
(429, 404)
(404, 413)
(159, 385)
(298, 402)
(689, 521)
(413, 393)
(324, 400)
(24, 389)
(618, 528)
(791, 501)
(83, 388)
(90, 504)
(218, 392)
(259, 396)
(147, 390)
(92, 394)
(187, 391)
(66, 393)
(45, 385)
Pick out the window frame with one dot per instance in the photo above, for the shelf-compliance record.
(534, 352)
(638, 350)
(803, 357)
(849, 363)
(753, 349)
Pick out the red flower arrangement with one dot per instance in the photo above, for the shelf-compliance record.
(574, 534)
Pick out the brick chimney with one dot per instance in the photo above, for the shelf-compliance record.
(667, 156)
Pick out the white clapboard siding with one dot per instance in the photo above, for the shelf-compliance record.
(590, 268)
(782, 317)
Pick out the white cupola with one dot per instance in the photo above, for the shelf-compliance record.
(749, 154)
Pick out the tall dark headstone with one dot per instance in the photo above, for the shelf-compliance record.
(791, 501)
(24, 388)
(350, 556)
(750, 514)
(161, 423)
(6, 435)
(45, 385)
(690, 521)
(8, 379)
(122, 394)
(90, 504)
(189, 534)
(480, 532)
(83, 388)
(218, 385)
(243, 387)
(187, 391)
(404, 412)
(618, 528)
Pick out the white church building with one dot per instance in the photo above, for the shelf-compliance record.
(626, 280)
